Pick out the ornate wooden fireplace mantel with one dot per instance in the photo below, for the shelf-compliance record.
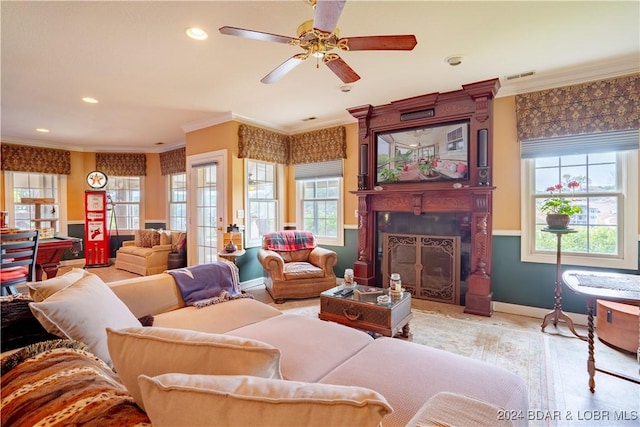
(471, 194)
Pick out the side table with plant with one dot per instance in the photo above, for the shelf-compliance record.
(560, 208)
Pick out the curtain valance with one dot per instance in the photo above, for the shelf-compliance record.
(23, 158)
(319, 146)
(600, 106)
(122, 164)
(173, 161)
(261, 144)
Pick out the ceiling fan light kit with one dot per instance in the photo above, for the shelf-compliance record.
(317, 37)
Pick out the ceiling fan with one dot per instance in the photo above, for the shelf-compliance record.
(317, 37)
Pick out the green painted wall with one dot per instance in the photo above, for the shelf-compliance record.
(530, 284)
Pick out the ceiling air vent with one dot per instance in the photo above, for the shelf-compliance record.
(521, 75)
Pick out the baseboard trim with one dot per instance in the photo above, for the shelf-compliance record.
(537, 312)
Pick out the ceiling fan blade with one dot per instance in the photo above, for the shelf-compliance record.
(340, 68)
(327, 13)
(404, 42)
(281, 70)
(257, 35)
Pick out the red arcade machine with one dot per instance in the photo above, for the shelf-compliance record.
(96, 233)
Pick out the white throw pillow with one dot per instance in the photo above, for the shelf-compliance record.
(226, 400)
(82, 311)
(154, 351)
(39, 291)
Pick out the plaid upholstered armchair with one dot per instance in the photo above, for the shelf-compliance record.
(294, 266)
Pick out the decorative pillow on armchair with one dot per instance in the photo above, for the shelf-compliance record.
(146, 238)
(189, 400)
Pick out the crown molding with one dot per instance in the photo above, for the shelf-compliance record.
(601, 70)
(205, 123)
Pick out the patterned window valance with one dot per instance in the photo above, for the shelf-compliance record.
(261, 144)
(23, 158)
(173, 161)
(319, 146)
(601, 106)
(122, 164)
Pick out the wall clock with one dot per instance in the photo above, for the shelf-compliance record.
(97, 179)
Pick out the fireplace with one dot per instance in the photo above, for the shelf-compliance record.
(434, 231)
(429, 266)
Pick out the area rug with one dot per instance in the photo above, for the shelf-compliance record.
(524, 352)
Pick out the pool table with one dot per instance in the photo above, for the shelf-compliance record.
(50, 253)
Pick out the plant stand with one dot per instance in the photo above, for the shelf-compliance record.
(557, 314)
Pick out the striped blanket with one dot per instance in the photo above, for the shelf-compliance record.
(289, 240)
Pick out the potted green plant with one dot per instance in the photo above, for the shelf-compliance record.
(559, 208)
(427, 169)
(390, 175)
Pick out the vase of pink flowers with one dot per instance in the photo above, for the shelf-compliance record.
(560, 208)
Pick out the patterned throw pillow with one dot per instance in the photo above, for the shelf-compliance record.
(60, 383)
(147, 238)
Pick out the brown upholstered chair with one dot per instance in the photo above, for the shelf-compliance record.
(294, 266)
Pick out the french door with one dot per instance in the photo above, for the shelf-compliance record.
(206, 199)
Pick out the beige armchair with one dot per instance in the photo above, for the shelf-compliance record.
(294, 266)
(149, 252)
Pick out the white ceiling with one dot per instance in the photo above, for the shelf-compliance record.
(154, 83)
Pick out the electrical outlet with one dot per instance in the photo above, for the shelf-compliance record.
(355, 213)
(240, 214)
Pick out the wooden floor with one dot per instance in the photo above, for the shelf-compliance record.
(616, 402)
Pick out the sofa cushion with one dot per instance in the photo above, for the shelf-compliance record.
(188, 400)
(302, 270)
(146, 238)
(154, 351)
(447, 409)
(82, 311)
(438, 370)
(60, 383)
(137, 251)
(39, 291)
(310, 348)
(217, 319)
(152, 295)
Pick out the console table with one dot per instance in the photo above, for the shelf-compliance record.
(557, 313)
(609, 286)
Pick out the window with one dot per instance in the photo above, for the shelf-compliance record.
(124, 194)
(262, 189)
(319, 200)
(606, 228)
(36, 185)
(177, 201)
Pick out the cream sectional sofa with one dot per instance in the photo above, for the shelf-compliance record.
(312, 350)
(342, 376)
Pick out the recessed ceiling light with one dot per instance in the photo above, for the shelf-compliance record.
(196, 33)
(308, 119)
(90, 100)
(42, 130)
(454, 60)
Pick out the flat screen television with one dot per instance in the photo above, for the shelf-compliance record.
(424, 154)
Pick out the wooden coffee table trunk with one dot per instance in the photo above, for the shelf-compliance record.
(362, 311)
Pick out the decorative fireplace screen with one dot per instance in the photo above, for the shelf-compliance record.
(429, 266)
